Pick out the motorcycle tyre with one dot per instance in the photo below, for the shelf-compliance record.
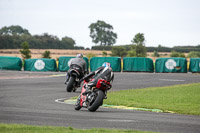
(77, 105)
(98, 101)
(69, 87)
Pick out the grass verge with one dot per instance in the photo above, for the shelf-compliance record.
(183, 99)
(18, 128)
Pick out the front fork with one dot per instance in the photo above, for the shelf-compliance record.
(67, 77)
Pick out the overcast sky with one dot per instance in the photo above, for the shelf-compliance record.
(166, 22)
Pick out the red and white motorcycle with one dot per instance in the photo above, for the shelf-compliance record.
(95, 97)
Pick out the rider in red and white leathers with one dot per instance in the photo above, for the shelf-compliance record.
(104, 72)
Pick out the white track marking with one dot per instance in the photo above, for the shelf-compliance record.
(60, 100)
(172, 80)
(120, 120)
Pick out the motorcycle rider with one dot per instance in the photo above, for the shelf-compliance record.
(77, 63)
(104, 72)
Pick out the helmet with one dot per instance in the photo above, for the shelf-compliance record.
(79, 56)
(106, 64)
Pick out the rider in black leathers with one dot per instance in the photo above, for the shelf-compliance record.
(104, 72)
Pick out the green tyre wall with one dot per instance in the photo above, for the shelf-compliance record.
(171, 65)
(42, 64)
(96, 62)
(138, 64)
(10, 63)
(194, 65)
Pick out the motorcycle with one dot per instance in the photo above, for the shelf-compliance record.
(94, 98)
(73, 82)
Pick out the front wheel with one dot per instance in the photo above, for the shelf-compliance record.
(70, 84)
(97, 101)
(77, 105)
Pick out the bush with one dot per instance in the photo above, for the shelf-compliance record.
(177, 54)
(104, 53)
(46, 54)
(90, 55)
(194, 54)
(119, 51)
(131, 53)
(155, 54)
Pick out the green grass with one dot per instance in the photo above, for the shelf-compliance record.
(17, 128)
(183, 99)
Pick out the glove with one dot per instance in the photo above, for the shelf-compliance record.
(87, 80)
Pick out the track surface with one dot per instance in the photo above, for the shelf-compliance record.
(29, 98)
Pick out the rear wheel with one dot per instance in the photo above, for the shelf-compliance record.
(70, 84)
(97, 101)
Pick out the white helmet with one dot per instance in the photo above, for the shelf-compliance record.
(79, 56)
(106, 64)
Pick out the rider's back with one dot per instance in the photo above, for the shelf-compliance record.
(78, 61)
(106, 73)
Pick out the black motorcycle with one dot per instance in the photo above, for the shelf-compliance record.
(73, 79)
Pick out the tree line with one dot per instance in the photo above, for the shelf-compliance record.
(101, 33)
(12, 37)
(185, 49)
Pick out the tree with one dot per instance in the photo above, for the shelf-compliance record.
(46, 54)
(25, 51)
(118, 51)
(138, 39)
(68, 42)
(139, 42)
(14, 30)
(102, 33)
(140, 51)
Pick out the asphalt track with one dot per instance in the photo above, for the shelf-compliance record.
(29, 98)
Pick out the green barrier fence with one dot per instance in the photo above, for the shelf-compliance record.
(10, 63)
(138, 64)
(171, 65)
(96, 62)
(42, 64)
(194, 65)
(63, 63)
